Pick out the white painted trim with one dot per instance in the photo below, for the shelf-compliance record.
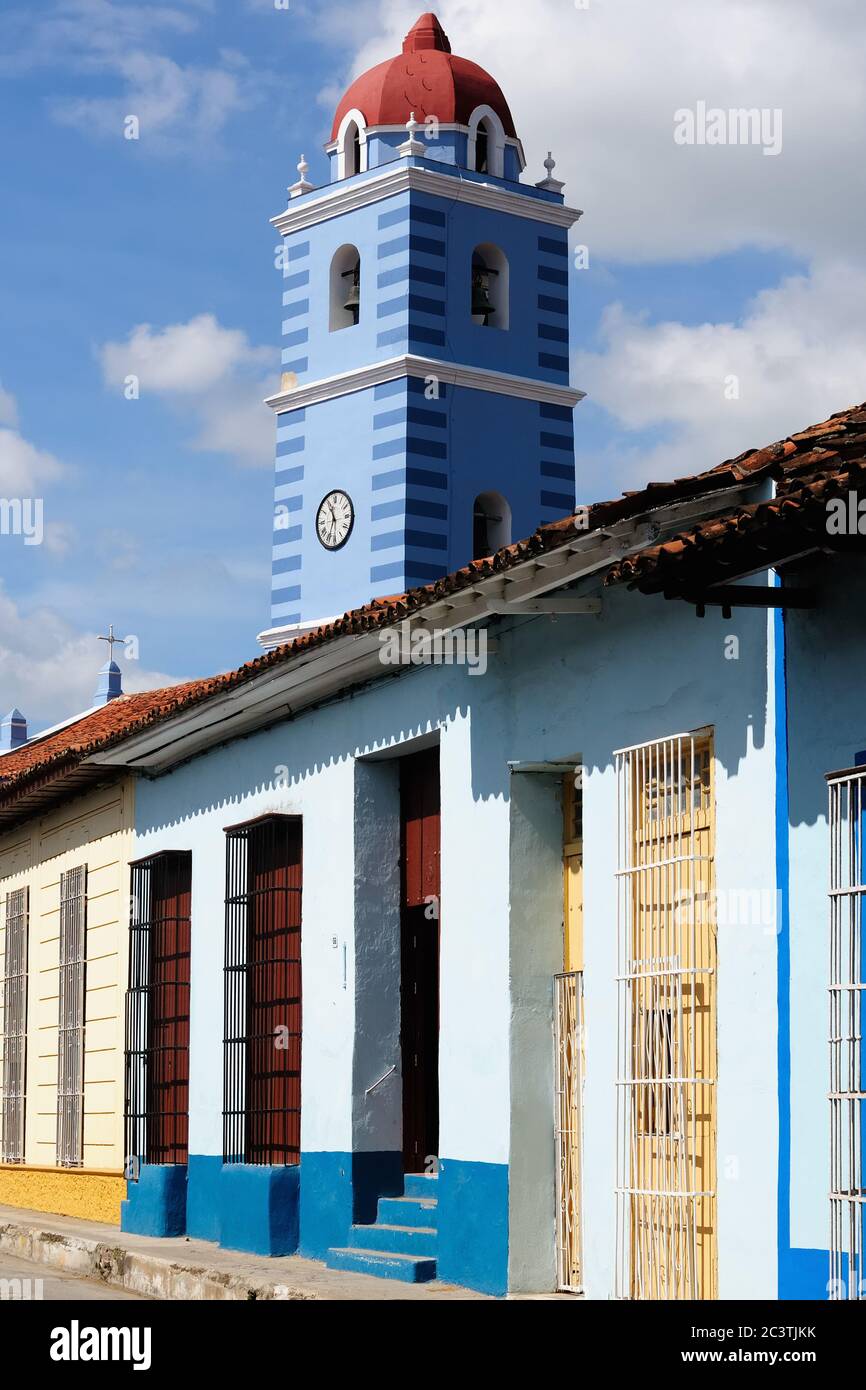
(278, 636)
(354, 117)
(497, 147)
(452, 373)
(397, 177)
(343, 663)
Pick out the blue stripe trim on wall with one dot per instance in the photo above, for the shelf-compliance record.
(553, 363)
(389, 418)
(562, 501)
(298, 364)
(291, 446)
(297, 253)
(558, 470)
(409, 506)
(553, 306)
(389, 388)
(421, 477)
(557, 441)
(301, 335)
(556, 412)
(556, 248)
(290, 475)
(300, 306)
(551, 332)
(294, 282)
(551, 276)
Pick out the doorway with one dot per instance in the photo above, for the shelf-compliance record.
(419, 958)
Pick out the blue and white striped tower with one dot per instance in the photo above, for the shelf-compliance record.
(425, 415)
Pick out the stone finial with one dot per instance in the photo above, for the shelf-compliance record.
(550, 183)
(411, 148)
(303, 185)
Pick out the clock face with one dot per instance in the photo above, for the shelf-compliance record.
(334, 520)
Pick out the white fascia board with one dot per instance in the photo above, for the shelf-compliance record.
(401, 177)
(409, 364)
(352, 660)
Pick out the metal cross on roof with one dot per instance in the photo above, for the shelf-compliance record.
(112, 641)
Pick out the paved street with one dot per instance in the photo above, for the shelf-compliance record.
(57, 1286)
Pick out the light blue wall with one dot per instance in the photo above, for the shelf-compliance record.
(826, 675)
(575, 687)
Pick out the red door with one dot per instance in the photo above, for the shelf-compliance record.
(273, 1070)
(420, 879)
(168, 1021)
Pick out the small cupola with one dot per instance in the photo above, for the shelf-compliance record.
(13, 731)
(459, 112)
(110, 681)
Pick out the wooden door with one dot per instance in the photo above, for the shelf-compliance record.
(273, 1063)
(168, 1015)
(420, 892)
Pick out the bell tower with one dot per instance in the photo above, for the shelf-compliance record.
(425, 416)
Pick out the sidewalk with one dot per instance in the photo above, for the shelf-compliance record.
(190, 1269)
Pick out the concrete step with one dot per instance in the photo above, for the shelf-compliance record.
(420, 1185)
(401, 1240)
(406, 1211)
(384, 1265)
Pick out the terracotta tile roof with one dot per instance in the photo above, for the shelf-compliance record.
(807, 467)
(811, 467)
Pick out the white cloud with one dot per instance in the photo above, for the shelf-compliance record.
(216, 370)
(600, 86)
(8, 408)
(24, 469)
(179, 106)
(49, 669)
(797, 354)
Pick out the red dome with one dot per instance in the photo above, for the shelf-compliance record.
(426, 78)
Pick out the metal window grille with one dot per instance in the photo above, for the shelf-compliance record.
(847, 983)
(568, 1126)
(14, 1030)
(157, 1012)
(262, 1032)
(70, 1050)
(666, 1161)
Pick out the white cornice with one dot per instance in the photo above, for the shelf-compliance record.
(341, 198)
(452, 373)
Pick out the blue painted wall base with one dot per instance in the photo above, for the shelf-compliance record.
(259, 1209)
(341, 1189)
(156, 1204)
(473, 1225)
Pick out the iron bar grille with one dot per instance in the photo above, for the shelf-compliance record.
(262, 1047)
(847, 984)
(70, 1047)
(14, 1028)
(666, 1068)
(157, 1012)
(568, 1128)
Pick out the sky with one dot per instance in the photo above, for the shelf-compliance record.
(719, 304)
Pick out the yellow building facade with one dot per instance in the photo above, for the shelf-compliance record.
(64, 913)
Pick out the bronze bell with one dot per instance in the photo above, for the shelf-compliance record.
(482, 307)
(353, 301)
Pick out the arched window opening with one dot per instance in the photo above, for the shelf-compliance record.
(486, 143)
(482, 149)
(345, 288)
(352, 146)
(490, 287)
(491, 525)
